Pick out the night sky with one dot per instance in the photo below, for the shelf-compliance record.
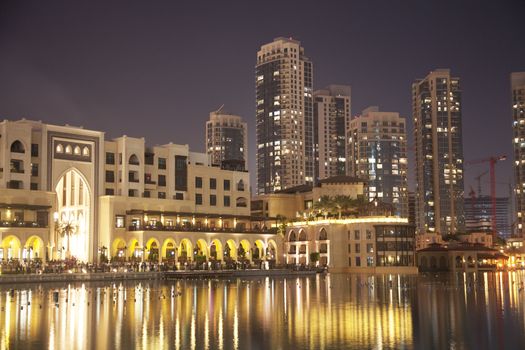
(157, 68)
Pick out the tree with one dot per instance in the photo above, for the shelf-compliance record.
(324, 205)
(281, 224)
(342, 204)
(314, 258)
(66, 229)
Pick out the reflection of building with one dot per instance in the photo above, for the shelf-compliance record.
(518, 142)
(331, 118)
(378, 150)
(478, 215)
(436, 104)
(373, 244)
(284, 100)
(121, 198)
(226, 138)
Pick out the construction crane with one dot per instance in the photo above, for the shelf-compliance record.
(478, 178)
(492, 163)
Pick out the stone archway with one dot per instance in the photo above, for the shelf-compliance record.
(74, 214)
(118, 250)
(10, 248)
(216, 250)
(185, 250)
(34, 248)
(169, 249)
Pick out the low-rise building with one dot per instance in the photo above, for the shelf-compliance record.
(121, 199)
(363, 244)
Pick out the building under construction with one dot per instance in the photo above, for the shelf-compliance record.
(478, 212)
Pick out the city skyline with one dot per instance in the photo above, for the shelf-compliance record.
(65, 82)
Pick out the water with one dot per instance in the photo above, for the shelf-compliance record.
(338, 311)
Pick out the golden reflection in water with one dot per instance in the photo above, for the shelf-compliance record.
(338, 311)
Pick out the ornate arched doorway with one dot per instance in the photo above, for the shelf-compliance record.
(74, 213)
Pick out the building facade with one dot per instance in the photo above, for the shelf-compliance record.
(284, 116)
(518, 130)
(478, 215)
(436, 107)
(377, 148)
(332, 111)
(227, 139)
(368, 244)
(122, 199)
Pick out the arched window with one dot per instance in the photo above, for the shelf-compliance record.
(59, 148)
(85, 152)
(77, 150)
(292, 237)
(302, 236)
(134, 160)
(241, 202)
(240, 185)
(69, 149)
(323, 236)
(17, 147)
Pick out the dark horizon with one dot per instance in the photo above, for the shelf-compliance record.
(144, 70)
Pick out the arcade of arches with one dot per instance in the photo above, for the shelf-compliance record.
(195, 250)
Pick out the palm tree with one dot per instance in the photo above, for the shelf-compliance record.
(281, 224)
(67, 229)
(324, 205)
(342, 204)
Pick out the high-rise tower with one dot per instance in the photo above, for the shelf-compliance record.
(284, 100)
(331, 120)
(436, 105)
(377, 150)
(518, 128)
(226, 139)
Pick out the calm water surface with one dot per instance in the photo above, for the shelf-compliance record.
(337, 311)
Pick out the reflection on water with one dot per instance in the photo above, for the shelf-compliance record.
(474, 311)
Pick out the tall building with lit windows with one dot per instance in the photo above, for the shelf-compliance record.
(227, 139)
(377, 148)
(331, 120)
(284, 116)
(518, 128)
(436, 108)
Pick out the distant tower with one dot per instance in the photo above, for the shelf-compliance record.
(284, 100)
(436, 106)
(378, 154)
(226, 139)
(518, 128)
(331, 119)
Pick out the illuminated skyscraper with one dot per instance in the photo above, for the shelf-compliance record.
(284, 100)
(518, 128)
(436, 105)
(331, 120)
(377, 150)
(226, 139)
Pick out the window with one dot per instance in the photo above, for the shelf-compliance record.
(198, 199)
(110, 158)
(357, 234)
(181, 173)
(226, 185)
(119, 221)
(240, 185)
(226, 201)
(213, 184)
(147, 194)
(162, 163)
(368, 234)
(132, 193)
(179, 196)
(198, 182)
(110, 176)
(349, 261)
(162, 195)
(213, 200)
(162, 180)
(358, 248)
(110, 192)
(17, 147)
(241, 202)
(357, 261)
(134, 160)
(349, 248)
(34, 186)
(149, 158)
(34, 150)
(369, 261)
(34, 169)
(369, 248)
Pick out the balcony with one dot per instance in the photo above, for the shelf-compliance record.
(25, 224)
(191, 228)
